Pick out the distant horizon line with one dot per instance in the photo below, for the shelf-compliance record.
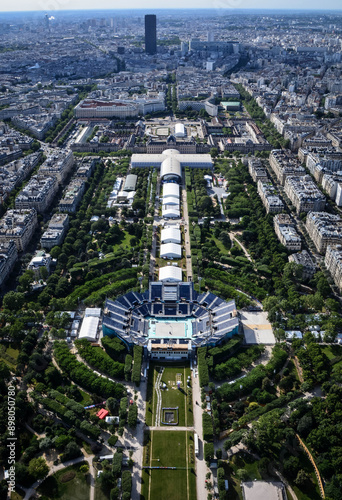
(228, 9)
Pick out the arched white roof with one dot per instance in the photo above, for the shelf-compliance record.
(170, 189)
(170, 152)
(170, 166)
(171, 250)
(171, 211)
(170, 273)
(170, 234)
(180, 130)
(171, 200)
(89, 328)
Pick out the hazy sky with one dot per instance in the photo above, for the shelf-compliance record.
(55, 5)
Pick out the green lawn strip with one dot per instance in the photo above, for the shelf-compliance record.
(154, 395)
(337, 365)
(10, 365)
(145, 481)
(9, 355)
(220, 246)
(169, 449)
(328, 352)
(86, 399)
(173, 397)
(292, 369)
(14, 353)
(99, 495)
(149, 397)
(191, 465)
(168, 484)
(189, 401)
(76, 488)
(124, 242)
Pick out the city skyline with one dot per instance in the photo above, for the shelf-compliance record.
(216, 5)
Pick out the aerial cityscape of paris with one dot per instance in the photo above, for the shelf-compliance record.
(170, 250)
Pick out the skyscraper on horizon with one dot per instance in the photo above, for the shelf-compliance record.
(151, 34)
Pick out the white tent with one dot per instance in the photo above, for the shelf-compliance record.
(171, 200)
(170, 189)
(170, 235)
(170, 212)
(93, 311)
(180, 130)
(170, 273)
(89, 328)
(170, 251)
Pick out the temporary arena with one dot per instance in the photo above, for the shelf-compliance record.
(170, 319)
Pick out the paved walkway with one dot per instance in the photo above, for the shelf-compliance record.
(169, 428)
(244, 249)
(201, 466)
(159, 396)
(133, 439)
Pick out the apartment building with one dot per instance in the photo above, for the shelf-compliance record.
(285, 230)
(8, 257)
(333, 262)
(38, 193)
(57, 165)
(256, 170)
(72, 196)
(269, 197)
(284, 164)
(324, 229)
(12, 174)
(56, 231)
(38, 125)
(304, 259)
(86, 168)
(330, 160)
(304, 194)
(19, 226)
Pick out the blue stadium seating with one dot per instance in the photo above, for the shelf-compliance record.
(171, 300)
(143, 310)
(116, 307)
(208, 299)
(116, 326)
(184, 291)
(170, 311)
(157, 308)
(119, 318)
(124, 302)
(183, 309)
(156, 291)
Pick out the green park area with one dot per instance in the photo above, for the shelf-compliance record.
(169, 449)
(334, 354)
(70, 483)
(171, 396)
(9, 355)
(244, 467)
